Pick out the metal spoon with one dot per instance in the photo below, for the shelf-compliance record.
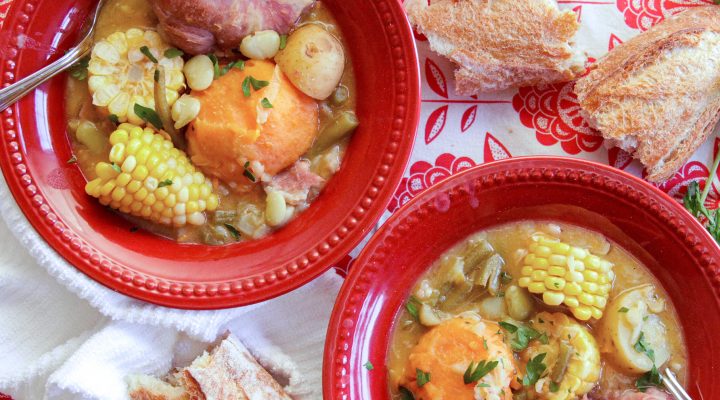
(673, 386)
(14, 92)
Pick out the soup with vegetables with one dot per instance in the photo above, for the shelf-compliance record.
(211, 128)
(535, 310)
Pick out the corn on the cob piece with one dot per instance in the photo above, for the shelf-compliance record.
(572, 357)
(565, 274)
(149, 178)
(122, 76)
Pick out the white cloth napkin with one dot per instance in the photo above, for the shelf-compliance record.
(80, 343)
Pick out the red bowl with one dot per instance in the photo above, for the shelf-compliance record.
(35, 149)
(642, 219)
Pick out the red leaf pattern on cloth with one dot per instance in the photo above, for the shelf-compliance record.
(619, 158)
(643, 14)
(435, 124)
(435, 78)
(3, 396)
(614, 41)
(692, 171)
(342, 268)
(578, 11)
(423, 175)
(494, 149)
(468, 118)
(419, 36)
(553, 111)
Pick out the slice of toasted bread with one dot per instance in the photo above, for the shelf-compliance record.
(498, 44)
(657, 96)
(228, 372)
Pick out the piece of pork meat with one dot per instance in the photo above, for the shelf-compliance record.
(202, 26)
(295, 182)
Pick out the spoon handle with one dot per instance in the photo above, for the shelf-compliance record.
(9, 95)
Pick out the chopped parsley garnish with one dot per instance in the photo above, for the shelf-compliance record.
(368, 366)
(284, 38)
(649, 379)
(544, 338)
(239, 64)
(641, 346)
(116, 167)
(405, 394)
(422, 377)
(233, 231)
(266, 103)
(114, 119)
(256, 84)
(173, 52)
(534, 370)
(246, 87)
(71, 160)
(248, 173)
(475, 372)
(79, 69)
(485, 343)
(412, 307)
(521, 335)
(623, 310)
(145, 50)
(166, 182)
(148, 115)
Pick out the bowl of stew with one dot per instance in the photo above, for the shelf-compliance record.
(530, 278)
(206, 158)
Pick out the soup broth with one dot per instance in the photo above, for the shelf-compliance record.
(457, 288)
(240, 214)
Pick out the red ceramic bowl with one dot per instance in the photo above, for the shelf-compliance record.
(634, 214)
(34, 149)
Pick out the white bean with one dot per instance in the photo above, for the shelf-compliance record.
(199, 72)
(185, 109)
(260, 45)
(275, 208)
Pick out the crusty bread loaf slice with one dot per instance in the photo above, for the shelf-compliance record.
(657, 96)
(498, 44)
(227, 372)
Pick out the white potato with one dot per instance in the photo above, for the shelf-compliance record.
(313, 60)
(630, 316)
(260, 45)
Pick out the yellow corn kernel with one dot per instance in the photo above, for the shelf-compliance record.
(105, 171)
(119, 136)
(555, 284)
(536, 287)
(134, 186)
(566, 274)
(117, 153)
(123, 179)
(539, 275)
(553, 298)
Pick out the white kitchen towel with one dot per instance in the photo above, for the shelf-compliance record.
(55, 345)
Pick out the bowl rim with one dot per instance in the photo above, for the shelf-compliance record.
(361, 216)
(339, 341)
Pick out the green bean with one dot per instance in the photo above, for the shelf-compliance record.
(475, 252)
(225, 216)
(561, 365)
(342, 125)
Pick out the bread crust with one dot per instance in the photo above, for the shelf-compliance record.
(500, 44)
(658, 95)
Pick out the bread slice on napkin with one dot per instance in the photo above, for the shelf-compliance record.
(228, 372)
(657, 96)
(498, 44)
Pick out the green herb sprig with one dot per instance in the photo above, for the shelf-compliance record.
(146, 50)
(412, 307)
(148, 115)
(475, 372)
(694, 200)
(521, 335)
(534, 370)
(422, 377)
(79, 70)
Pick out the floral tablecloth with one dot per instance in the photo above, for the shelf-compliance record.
(456, 132)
